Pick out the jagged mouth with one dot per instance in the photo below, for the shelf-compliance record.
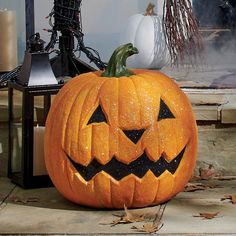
(138, 167)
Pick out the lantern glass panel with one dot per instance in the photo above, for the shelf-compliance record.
(39, 111)
(3, 132)
(41, 108)
(16, 127)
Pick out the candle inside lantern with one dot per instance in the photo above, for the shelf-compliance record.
(8, 40)
(39, 167)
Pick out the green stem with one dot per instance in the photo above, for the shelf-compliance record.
(117, 64)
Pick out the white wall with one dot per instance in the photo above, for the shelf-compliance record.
(103, 20)
(42, 9)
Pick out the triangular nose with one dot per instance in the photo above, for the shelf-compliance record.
(134, 135)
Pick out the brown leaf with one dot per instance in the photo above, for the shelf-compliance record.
(194, 178)
(223, 178)
(206, 174)
(137, 216)
(207, 216)
(146, 214)
(127, 218)
(131, 217)
(24, 200)
(192, 187)
(232, 198)
(149, 228)
(156, 224)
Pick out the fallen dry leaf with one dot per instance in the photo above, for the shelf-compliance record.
(148, 228)
(132, 216)
(127, 218)
(206, 174)
(207, 216)
(137, 216)
(232, 198)
(223, 178)
(192, 187)
(195, 178)
(24, 200)
(144, 213)
(156, 224)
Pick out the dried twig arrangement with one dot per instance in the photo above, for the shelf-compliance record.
(182, 33)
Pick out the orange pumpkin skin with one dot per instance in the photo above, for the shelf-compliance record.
(128, 103)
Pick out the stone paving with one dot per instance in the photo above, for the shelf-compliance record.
(45, 211)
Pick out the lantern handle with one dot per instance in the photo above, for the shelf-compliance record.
(117, 64)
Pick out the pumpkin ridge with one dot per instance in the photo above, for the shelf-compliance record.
(106, 157)
(151, 79)
(51, 115)
(151, 76)
(107, 80)
(63, 100)
(173, 192)
(99, 94)
(193, 158)
(128, 183)
(101, 182)
(139, 100)
(165, 187)
(69, 180)
(157, 188)
(58, 99)
(144, 121)
(67, 183)
(134, 189)
(104, 112)
(67, 144)
(129, 109)
(81, 122)
(163, 83)
(89, 86)
(111, 197)
(144, 195)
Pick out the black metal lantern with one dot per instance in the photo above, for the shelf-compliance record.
(30, 96)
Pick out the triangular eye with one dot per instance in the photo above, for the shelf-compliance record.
(98, 116)
(134, 135)
(164, 112)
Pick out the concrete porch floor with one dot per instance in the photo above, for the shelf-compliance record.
(45, 211)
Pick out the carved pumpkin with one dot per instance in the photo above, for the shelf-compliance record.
(120, 137)
(145, 31)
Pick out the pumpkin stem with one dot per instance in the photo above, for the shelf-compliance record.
(117, 64)
(150, 10)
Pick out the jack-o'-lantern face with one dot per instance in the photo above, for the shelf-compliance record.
(117, 167)
(115, 141)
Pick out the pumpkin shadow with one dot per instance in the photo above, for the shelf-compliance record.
(44, 198)
(50, 198)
